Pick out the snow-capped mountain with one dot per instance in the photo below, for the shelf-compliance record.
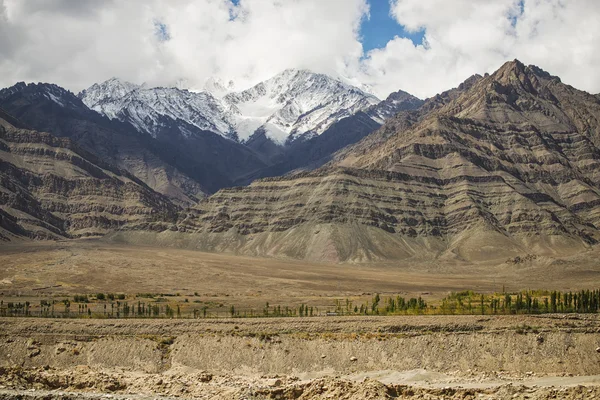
(103, 96)
(145, 108)
(181, 167)
(185, 143)
(291, 105)
(296, 103)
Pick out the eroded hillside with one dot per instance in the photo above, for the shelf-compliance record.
(505, 164)
(51, 189)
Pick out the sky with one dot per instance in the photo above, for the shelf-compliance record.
(379, 27)
(421, 46)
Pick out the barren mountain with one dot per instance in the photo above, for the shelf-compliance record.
(506, 164)
(51, 189)
(183, 167)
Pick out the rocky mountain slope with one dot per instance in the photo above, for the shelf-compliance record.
(504, 165)
(52, 189)
(181, 167)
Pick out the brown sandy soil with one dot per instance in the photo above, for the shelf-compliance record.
(421, 357)
(90, 266)
(452, 357)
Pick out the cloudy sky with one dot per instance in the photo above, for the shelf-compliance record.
(421, 46)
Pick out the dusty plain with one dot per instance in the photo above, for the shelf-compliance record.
(90, 266)
(351, 357)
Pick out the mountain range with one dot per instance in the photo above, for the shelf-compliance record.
(505, 164)
(187, 144)
(292, 105)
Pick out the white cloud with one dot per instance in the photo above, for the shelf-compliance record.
(463, 37)
(75, 43)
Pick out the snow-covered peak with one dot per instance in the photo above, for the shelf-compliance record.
(146, 108)
(294, 103)
(111, 89)
(103, 96)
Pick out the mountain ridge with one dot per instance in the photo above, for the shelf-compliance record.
(150, 151)
(64, 115)
(287, 106)
(184, 167)
(501, 166)
(52, 189)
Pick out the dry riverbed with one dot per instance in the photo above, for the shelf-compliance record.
(427, 357)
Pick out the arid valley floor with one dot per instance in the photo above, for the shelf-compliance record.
(91, 266)
(353, 357)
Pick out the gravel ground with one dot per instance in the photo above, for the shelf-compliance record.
(449, 357)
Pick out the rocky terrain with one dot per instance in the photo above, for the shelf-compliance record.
(182, 167)
(187, 144)
(503, 165)
(470, 357)
(353, 357)
(52, 189)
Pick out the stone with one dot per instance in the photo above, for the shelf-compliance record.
(540, 339)
(34, 353)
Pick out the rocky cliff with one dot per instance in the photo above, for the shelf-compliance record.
(51, 189)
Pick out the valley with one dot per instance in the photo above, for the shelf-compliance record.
(300, 199)
(216, 356)
(445, 248)
(192, 279)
